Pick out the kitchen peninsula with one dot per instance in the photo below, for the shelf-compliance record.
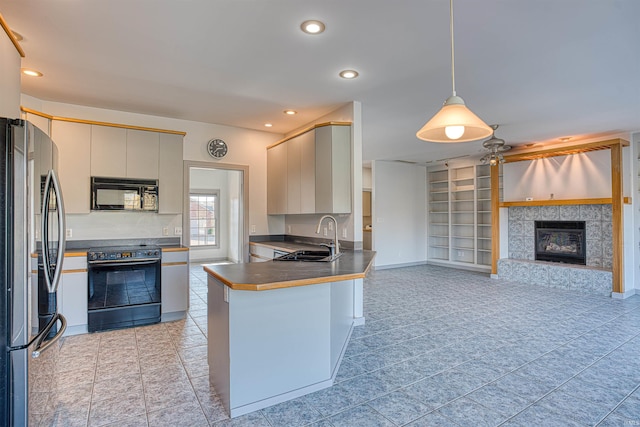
(278, 330)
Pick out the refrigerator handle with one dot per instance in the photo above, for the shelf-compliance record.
(52, 181)
(40, 344)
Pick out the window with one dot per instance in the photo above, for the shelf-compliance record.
(203, 214)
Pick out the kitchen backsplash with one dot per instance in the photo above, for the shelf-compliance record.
(119, 225)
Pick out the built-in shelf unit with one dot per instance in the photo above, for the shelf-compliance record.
(460, 216)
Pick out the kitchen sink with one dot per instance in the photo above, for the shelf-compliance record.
(313, 256)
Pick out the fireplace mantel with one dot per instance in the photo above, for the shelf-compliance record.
(562, 202)
(615, 147)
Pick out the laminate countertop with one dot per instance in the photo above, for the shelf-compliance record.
(263, 276)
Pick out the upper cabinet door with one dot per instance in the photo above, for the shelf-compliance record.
(170, 171)
(307, 144)
(333, 169)
(277, 179)
(293, 147)
(108, 151)
(142, 154)
(74, 161)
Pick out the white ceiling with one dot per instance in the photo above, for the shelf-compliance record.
(542, 69)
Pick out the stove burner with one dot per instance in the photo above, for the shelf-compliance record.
(123, 253)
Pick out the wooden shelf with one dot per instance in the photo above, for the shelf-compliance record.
(597, 201)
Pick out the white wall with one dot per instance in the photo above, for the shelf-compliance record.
(578, 176)
(399, 213)
(246, 147)
(9, 78)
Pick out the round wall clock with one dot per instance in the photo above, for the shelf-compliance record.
(217, 148)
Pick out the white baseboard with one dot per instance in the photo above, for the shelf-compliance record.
(625, 294)
(407, 264)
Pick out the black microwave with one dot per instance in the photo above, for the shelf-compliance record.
(124, 194)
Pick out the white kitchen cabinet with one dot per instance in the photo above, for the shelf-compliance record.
(170, 173)
(301, 170)
(175, 284)
(260, 252)
(108, 151)
(277, 179)
(72, 294)
(74, 164)
(333, 169)
(311, 173)
(142, 154)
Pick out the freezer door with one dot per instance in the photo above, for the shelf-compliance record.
(18, 240)
(53, 231)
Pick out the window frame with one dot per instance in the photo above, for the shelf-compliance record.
(210, 193)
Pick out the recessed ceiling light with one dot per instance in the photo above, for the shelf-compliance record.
(268, 125)
(290, 112)
(32, 73)
(17, 35)
(349, 74)
(312, 27)
(564, 139)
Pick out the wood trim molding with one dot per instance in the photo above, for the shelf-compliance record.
(495, 217)
(617, 232)
(566, 150)
(13, 39)
(93, 122)
(307, 129)
(180, 249)
(171, 264)
(597, 201)
(78, 270)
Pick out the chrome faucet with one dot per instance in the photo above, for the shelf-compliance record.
(336, 253)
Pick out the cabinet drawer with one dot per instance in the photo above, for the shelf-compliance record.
(175, 256)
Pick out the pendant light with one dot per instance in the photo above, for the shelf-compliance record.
(496, 147)
(454, 122)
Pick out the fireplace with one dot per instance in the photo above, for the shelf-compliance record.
(561, 241)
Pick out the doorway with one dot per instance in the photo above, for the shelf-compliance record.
(215, 224)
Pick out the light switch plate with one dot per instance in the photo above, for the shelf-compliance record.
(177, 231)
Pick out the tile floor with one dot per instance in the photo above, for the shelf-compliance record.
(441, 347)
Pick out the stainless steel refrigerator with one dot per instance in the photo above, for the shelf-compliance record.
(31, 219)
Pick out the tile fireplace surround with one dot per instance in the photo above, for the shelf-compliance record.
(595, 277)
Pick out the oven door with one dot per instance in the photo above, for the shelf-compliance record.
(123, 294)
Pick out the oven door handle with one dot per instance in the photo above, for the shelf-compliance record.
(109, 263)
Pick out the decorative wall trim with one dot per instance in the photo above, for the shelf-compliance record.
(565, 150)
(13, 39)
(597, 201)
(310, 128)
(93, 122)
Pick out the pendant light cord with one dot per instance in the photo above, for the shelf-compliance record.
(453, 62)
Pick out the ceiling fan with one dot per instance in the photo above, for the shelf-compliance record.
(496, 147)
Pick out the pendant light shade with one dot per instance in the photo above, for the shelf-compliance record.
(454, 122)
